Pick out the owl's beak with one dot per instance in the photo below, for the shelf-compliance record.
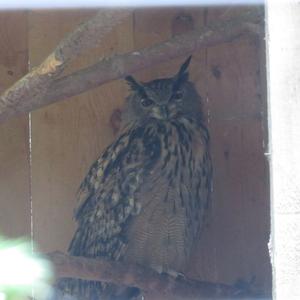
(164, 112)
(161, 112)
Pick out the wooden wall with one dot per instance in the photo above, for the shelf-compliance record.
(67, 137)
(14, 143)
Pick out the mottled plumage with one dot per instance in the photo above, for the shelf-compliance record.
(145, 198)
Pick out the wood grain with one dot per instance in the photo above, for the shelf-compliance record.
(235, 245)
(67, 137)
(14, 146)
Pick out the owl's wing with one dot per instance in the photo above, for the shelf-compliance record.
(107, 194)
(201, 181)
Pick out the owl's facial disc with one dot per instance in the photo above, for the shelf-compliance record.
(162, 101)
(155, 100)
(163, 98)
(159, 99)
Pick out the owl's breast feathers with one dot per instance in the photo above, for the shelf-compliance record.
(176, 150)
(108, 202)
(114, 194)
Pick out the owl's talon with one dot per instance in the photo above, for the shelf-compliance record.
(175, 274)
(159, 269)
(180, 276)
(171, 273)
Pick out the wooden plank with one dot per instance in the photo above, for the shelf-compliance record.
(14, 146)
(67, 137)
(235, 245)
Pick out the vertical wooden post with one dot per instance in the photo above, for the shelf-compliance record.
(283, 24)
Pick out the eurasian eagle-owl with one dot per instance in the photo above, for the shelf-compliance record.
(145, 198)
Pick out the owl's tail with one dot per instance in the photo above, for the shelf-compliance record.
(77, 289)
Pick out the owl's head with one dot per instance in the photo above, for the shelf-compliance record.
(163, 99)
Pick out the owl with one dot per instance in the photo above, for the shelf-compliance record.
(144, 200)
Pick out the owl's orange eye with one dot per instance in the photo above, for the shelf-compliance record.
(146, 102)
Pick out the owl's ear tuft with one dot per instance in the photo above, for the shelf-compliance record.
(182, 75)
(134, 85)
(184, 66)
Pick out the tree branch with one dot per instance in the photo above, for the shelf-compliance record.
(18, 100)
(36, 84)
(150, 282)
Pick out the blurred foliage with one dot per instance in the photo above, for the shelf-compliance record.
(23, 273)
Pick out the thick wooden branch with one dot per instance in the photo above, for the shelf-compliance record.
(19, 97)
(90, 34)
(17, 100)
(150, 282)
